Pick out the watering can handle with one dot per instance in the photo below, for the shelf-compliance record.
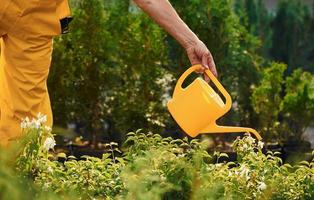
(178, 89)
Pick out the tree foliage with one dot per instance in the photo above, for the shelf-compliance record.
(80, 72)
(291, 35)
(285, 32)
(117, 67)
(109, 69)
(257, 19)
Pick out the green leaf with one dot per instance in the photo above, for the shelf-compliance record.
(61, 155)
(221, 155)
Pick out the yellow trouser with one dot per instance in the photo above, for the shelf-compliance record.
(26, 31)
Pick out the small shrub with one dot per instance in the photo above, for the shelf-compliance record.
(153, 167)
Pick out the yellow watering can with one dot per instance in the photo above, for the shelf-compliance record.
(197, 107)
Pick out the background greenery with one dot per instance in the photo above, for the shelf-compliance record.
(116, 69)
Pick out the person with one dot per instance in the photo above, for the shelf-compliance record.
(26, 31)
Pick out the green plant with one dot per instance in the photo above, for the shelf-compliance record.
(22, 160)
(284, 104)
(153, 167)
(297, 105)
(266, 100)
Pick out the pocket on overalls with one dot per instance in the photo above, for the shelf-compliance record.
(44, 19)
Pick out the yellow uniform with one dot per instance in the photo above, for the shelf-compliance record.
(26, 31)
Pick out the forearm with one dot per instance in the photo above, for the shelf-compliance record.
(164, 14)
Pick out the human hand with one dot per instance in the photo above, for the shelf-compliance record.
(199, 54)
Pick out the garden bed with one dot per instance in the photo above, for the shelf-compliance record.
(152, 167)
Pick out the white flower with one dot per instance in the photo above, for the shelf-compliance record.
(260, 144)
(245, 147)
(163, 178)
(262, 186)
(49, 143)
(240, 149)
(47, 128)
(35, 124)
(244, 172)
(25, 123)
(26, 119)
(229, 174)
(250, 140)
(164, 83)
(41, 118)
(46, 185)
(218, 165)
(49, 169)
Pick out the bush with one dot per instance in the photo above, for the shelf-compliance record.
(153, 167)
(285, 105)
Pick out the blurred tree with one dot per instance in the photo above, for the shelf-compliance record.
(79, 75)
(257, 19)
(109, 69)
(309, 48)
(292, 40)
(136, 96)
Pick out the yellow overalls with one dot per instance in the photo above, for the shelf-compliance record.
(26, 31)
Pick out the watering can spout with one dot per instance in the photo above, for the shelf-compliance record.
(214, 128)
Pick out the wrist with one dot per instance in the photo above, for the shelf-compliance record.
(190, 42)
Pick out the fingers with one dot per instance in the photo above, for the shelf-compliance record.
(205, 65)
(206, 78)
(205, 61)
(199, 54)
(200, 71)
(212, 66)
(208, 63)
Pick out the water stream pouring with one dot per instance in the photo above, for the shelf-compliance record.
(197, 107)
